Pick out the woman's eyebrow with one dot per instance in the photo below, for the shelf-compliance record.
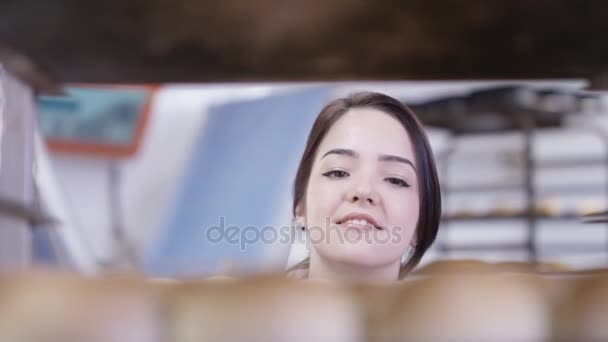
(341, 152)
(393, 158)
(383, 157)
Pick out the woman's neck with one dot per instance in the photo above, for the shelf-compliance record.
(321, 268)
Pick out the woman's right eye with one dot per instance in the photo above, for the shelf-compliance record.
(336, 174)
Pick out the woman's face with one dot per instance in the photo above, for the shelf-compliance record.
(362, 203)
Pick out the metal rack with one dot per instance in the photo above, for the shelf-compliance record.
(601, 217)
(513, 108)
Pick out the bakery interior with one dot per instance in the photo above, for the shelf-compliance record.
(129, 129)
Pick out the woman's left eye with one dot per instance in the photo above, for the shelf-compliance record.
(398, 182)
(336, 174)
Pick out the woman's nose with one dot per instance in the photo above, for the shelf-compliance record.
(363, 192)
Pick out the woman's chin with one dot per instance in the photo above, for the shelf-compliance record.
(360, 254)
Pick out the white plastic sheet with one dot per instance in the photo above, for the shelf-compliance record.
(16, 178)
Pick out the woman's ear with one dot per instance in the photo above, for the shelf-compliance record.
(415, 238)
(299, 210)
(299, 219)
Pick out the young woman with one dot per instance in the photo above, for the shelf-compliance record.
(366, 191)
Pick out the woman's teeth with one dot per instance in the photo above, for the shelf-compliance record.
(359, 222)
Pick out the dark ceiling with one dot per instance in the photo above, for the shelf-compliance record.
(272, 40)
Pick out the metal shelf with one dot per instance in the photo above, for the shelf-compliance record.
(519, 216)
(544, 190)
(34, 217)
(483, 188)
(482, 247)
(571, 163)
(547, 249)
(506, 109)
(601, 217)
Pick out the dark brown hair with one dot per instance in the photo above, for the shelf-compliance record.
(430, 195)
